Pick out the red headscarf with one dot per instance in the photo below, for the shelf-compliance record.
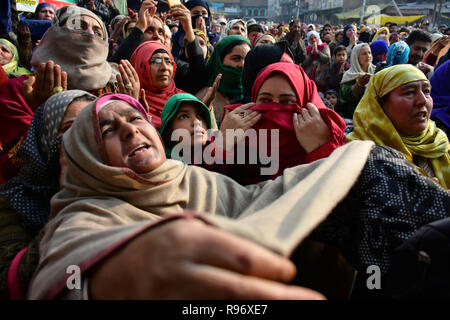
(278, 116)
(156, 98)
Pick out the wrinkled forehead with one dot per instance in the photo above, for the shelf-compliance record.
(107, 108)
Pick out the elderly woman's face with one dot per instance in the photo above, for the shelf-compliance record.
(130, 140)
(46, 13)
(161, 70)
(409, 107)
(365, 58)
(350, 32)
(265, 39)
(87, 24)
(237, 56)
(276, 88)
(155, 32)
(5, 54)
(238, 28)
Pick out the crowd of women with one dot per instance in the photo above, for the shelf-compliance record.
(233, 151)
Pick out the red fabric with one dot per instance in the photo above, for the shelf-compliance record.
(155, 97)
(3, 77)
(15, 118)
(319, 47)
(278, 116)
(15, 292)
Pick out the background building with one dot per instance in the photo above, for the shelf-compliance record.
(256, 9)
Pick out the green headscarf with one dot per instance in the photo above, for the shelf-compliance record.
(171, 108)
(12, 67)
(231, 82)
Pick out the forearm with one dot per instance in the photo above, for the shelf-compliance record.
(128, 46)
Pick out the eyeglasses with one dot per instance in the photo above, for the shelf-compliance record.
(157, 60)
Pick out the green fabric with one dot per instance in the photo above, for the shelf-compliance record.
(231, 81)
(171, 108)
(348, 99)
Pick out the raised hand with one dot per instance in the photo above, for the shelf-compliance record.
(128, 80)
(146, 13)
(310, 129)
(211, 92)
(182, 14)
(239, 118)
(47, 81)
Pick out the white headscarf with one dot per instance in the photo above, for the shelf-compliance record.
(316, 34)
(355, 70)
(230, 25)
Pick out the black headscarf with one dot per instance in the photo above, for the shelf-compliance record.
(257, 59)
(345, 40)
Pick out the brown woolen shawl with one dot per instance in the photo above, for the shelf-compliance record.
(82, 55)
(100, 207)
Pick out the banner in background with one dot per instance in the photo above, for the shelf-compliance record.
(30, 5)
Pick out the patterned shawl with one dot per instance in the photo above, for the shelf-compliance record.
(370, 122)
(30, 191)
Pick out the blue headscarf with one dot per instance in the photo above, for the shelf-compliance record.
(398, 53)
(378, 47)
(42, 6)
(440, 92)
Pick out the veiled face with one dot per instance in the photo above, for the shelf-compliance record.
(276, 88)
(130, 140)
(87, 24)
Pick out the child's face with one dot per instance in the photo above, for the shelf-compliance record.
(190, 117)
(332, 98)
(341, 57)
(130, 140)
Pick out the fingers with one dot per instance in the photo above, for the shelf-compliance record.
(49, 78)
(123, 73)
(236, 254)
(313, 110)
(57, 75)
(243, 107)
(217, 81)
(214, 283)
(295, 120)
(252, 120)
(143, 100)
(120, 83)
(64, 80)
(27, 85)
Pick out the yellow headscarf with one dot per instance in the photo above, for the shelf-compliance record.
(375, 37)
(12, 67)
(371, 123)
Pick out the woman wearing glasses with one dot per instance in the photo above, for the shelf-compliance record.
(156, 69)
